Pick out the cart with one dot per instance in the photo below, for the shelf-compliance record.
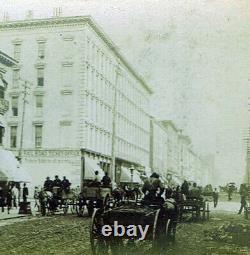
(93, 197)
(156, 217)
(197, 207)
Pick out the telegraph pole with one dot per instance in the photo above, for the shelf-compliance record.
(25, 93)
(113, 146)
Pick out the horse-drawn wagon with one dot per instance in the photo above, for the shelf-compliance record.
(57, 200)
(153, 218)
(93, 197)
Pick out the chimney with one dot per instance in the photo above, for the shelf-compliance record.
(6, 16)
(57, 12)
(29, 14)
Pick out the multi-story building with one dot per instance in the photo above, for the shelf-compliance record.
(82, 98)
(6, 62)
(184, 142)
(9, 170)
(173, 149)
(158, 148)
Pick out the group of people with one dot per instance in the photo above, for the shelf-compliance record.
(12, 195)
(63, 185)
(104, 181)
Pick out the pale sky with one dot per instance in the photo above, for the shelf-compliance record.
(195, 54)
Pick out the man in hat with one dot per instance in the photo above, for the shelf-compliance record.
(153, 189)
(48, 185)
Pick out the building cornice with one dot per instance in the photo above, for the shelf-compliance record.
(75, 21)
(7, 60)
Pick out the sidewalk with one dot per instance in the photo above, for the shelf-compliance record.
(12, 215)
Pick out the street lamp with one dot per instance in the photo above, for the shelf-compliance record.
(132, 168)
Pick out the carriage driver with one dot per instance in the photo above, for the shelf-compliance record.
(48, 185)
(153, 189)
(65, 184)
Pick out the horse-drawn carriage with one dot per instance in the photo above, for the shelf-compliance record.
(198, 207)
(154, 218)
(93, 197)
(57, 200)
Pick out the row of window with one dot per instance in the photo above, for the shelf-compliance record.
(131, 152)
(15, 105)
(68, 46)
(40, 77)
(100, 60)
(98, 140)
(104, 65)
(98, 112)
(132, 113)
(37, 136)
(132, 133)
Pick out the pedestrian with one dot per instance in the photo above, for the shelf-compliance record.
(65, 185)
(185, 188)
(36, 198)
(15, 196)
(2, 199)
(9, 199)
(243, 201)
(215, 197)
(25, 193)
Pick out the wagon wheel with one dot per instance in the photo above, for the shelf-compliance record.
(90, 207)
(98, 244)
(154, 234)
(106, 202)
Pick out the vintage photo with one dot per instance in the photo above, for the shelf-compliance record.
(125, 127)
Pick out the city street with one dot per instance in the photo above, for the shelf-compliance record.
(225, 233)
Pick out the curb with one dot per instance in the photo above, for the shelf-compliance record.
(15, 217)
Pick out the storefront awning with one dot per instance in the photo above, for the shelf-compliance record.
(10, 170)
(126, 176)
(90, 166)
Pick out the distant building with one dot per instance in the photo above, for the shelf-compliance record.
(79, 83)
(208, 170)
(184, 142)
(158, 148)
(173, 149)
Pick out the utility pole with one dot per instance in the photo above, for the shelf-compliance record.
(25, 93)
(113, 145)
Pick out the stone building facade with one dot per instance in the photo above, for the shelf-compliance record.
(159, 148)
(6, 63)
(76, 85)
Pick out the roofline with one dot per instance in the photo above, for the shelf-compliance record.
(171, 123)
(185, 137)
(77, 19)
(9, 61)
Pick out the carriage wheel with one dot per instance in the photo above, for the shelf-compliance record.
(106, 202)
(98, 244)
(156, 221)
